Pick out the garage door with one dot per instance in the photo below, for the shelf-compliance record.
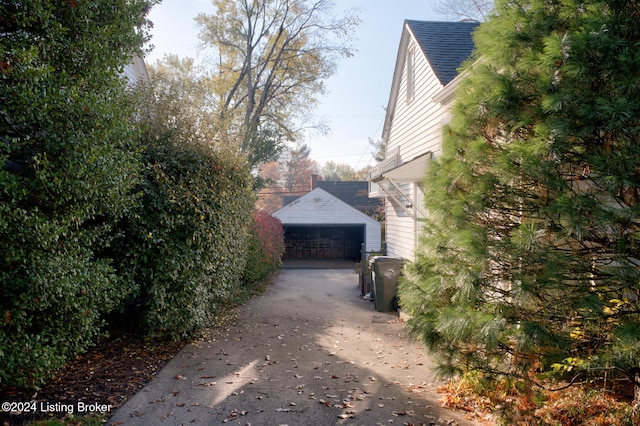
(323, 242)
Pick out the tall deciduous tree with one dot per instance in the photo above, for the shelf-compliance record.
(290, 175)
(183, 97)
(531, 252)
(344, 172)
(270, 59)
(270, 194)
(338, 172)
(297, 167)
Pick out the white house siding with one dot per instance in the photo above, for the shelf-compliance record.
(402, 231)
(416, 128)
(412, 132)
(398, 227)
(417, 125)
(136, 71)
(320, 208)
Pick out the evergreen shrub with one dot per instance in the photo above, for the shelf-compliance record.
(184, 247)
(182, 250)
(67, 167)
(529, 256)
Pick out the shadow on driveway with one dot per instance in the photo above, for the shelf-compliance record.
(309, 351)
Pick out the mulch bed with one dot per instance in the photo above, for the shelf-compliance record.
(109, 373)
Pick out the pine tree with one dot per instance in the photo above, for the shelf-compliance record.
(529, 258)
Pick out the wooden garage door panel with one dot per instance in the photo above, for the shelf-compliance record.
(323, 242)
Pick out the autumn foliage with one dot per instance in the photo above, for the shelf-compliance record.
(553, 403)
(265, 246)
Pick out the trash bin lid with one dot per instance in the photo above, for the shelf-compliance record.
(385, 259)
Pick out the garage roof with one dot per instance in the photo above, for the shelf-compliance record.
(319, 207)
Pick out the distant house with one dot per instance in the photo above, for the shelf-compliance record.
(425, 77)
(354, 193)
(319, 225)
(136, 71)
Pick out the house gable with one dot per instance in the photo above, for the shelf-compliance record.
(317, 207)
(354, 193)
(439, 49)
(429, 57)
(446, 45)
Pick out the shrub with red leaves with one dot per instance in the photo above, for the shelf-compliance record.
(265, 246)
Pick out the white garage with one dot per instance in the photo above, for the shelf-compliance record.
(319, 225)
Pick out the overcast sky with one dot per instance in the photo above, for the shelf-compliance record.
(357, 93)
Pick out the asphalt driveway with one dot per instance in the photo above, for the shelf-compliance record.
(310, 351)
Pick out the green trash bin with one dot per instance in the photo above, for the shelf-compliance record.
(385, 271)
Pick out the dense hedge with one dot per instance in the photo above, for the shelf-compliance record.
(67, 168)
(183, 249)
(105, 208)
(265, 246)
(114, 206)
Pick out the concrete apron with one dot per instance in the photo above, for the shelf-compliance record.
(308, 352)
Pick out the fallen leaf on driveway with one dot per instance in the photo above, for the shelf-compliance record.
(207, 384)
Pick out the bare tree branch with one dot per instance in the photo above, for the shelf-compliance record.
(464, 10)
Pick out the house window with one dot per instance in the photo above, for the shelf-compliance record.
(411, 74)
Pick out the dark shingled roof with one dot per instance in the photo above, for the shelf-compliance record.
(445, 44)
(354, 193)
